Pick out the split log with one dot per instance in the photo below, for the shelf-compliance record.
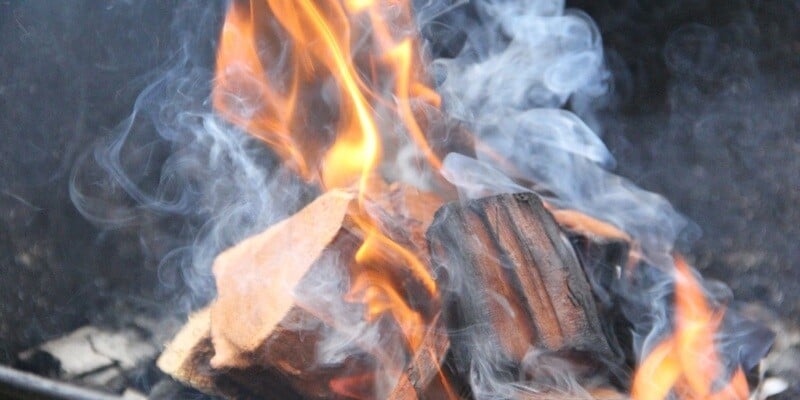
(257, 280)
(188, 359)
(512, 284)
(258, 318)
(272, 311)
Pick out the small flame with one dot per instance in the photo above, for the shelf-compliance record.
(380, 295)
(687, 363)
(354, 387)
(260, 94)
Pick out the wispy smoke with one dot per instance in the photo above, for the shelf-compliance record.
(522, 63)
(193, 183)
(524, 76)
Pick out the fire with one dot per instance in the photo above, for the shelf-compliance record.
(354, 65)
(244, 92)
(276, 54)
(263, 71)
(687, 363)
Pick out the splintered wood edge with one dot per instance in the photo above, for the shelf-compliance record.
(179, 357)
(256, 277)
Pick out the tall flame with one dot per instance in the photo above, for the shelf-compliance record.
(336, 58)
(354, 65)
(687, 363)
(263, 70)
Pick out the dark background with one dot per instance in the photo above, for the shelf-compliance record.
(705, 110)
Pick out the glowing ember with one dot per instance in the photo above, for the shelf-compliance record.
(687, 363)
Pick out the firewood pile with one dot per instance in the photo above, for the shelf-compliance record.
(508, 282)
(409, 277)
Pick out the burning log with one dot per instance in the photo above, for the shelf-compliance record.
(262, 329)
(594, 394)
(516, 284)
(188, 359)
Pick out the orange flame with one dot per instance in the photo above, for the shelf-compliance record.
(277, 54)
(264, 70)
(687, 363)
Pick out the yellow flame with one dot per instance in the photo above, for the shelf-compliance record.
(276, 56)
(255, 93)
(687, 363)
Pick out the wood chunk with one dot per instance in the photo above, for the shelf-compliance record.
(601, 393)
(258, 278)
(512, 282)
(177, 360)
(257, 320)
(265, 327)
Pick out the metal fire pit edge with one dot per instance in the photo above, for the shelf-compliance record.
(20, 385)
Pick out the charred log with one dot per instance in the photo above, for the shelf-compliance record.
(513, 287)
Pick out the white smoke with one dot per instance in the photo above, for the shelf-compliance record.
(520, 66)
(193, 184)
(527, 82)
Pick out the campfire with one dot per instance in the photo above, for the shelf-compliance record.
(431, 264)
(399, 225)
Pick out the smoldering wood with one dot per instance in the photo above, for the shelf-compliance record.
(593, 394)
(512, 284)
(255, 340)
(256, 324)
(188, 359)
(256, 278)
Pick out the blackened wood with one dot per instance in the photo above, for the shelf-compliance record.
(512, 282)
